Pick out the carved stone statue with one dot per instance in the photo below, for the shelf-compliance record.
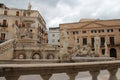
(64, 39)
(64, 44)
(106, 49)
(97, 45)
(75, 44)
(84, 51)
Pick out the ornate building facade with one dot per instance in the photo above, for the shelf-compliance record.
(86, 30)
(22, 23)
(23, 35)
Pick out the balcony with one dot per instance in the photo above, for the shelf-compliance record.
(112, 45)
(3, 25)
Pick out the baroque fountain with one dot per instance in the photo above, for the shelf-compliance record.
(84, 53)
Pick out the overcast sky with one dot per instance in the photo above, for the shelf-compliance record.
(56, 12)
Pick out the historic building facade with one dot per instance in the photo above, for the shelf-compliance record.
(25, 35)
(107, 30)
(22, 23)
(54, 36)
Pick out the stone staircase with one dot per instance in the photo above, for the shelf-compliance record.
(6, 50)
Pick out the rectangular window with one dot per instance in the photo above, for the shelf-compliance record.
(84, 41)
(53, 35)
(102, 30)
(112, 41)
(99, 31)
(77, 40)
(109, 30)
(84, 31)
(75, 32)
(92, 41)
(119, 30)
(68, 33)
(93, 31)
(4, 23)
(5, 12)
(2, 36)
(17, 13)
(58, 40)
(102, 41)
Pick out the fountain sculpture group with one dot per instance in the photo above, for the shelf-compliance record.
(84, 51)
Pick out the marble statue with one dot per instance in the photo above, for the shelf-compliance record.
(64, 44)
(75, 44)
(97, 45)
(64, 40)
(84, 51)
(106, 49)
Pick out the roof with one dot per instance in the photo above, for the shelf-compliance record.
(54, 28)
(84, 20)
(93, 23)
(3, 6)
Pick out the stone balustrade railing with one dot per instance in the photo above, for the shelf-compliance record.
(14, 71)
(5, 46)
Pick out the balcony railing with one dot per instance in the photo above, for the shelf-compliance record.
(3, 25)
(5, 46)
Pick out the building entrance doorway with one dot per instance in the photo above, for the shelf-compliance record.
(113, 53)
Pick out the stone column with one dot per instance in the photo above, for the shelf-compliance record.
(46, 76)
(112, 73)
(72, 76)
(94, 74)
(11, 77)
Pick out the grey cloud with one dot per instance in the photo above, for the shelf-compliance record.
(60, 11)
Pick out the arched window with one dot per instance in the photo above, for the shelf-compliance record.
(113, 52)
(103, 51)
